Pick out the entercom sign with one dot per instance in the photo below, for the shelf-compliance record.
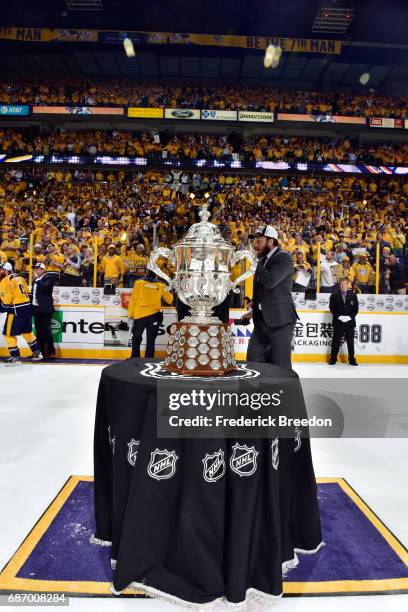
(79, 326)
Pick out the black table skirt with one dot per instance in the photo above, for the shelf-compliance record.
(183, 537)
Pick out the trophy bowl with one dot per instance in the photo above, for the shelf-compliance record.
(201, 344)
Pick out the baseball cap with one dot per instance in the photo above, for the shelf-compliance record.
(111, 246)
(7, 266)
(266, 230)
(39, 265)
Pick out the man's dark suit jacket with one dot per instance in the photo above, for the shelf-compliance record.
(348, 308)
(45, 285)
(272, 290)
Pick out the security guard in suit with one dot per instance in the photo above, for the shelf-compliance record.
(273, 312)
(43, 307)
(344, 308)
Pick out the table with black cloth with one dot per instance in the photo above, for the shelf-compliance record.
(182, 537)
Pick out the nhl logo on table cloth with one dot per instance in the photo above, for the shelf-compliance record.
(275, 453)
(243, 459)
(162, 464)
(133, 447)
(111, 440)
(298, 439)
(214, 466)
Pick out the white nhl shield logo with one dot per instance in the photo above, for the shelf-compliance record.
(133, 449)
(214, 466)
(243, 459)
(162, 464)
(275, 453)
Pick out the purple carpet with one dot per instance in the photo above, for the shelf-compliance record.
(355, 549)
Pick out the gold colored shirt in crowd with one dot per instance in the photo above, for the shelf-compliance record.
(112, 266)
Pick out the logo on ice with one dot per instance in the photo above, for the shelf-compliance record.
(162, 464)
(243, 460)
(214, 466)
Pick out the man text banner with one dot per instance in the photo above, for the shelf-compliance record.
(48, 35)
(291, 45)
(296, 45)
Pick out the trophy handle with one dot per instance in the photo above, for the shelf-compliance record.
(238, 256)
(152, 265)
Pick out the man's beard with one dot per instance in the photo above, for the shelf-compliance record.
(264, 251)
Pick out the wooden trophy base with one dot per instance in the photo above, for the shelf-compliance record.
(198, 349)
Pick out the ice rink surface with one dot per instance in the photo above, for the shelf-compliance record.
(47, 416)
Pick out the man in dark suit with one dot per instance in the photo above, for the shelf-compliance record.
(344, 308)
(272, 309)
(43, 307)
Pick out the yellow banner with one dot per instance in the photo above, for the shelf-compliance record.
(28, 34)
(295, 45)
(145, 113)
(48, 35)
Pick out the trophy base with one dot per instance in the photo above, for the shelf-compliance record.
(200, 349)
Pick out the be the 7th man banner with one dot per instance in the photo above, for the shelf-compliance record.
(295, 45)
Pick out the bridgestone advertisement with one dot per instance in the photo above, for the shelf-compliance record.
(255, 116)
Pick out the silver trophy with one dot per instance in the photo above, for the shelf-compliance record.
(203, 261)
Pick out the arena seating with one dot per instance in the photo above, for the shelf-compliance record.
(196, 146)
(78, 211)
(82, 91)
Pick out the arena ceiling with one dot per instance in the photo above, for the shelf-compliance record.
(377, 42)
(375, 20)
(201, 64)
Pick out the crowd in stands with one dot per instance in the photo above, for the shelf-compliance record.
(199, 146)
(122, 92)
(126, 214)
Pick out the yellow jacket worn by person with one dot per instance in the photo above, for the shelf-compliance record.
(362, 272)
(14, 292)
(135, 263)
(14, 299)
(54, 262)
(146, 298)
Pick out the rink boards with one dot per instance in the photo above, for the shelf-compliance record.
(88, 324)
